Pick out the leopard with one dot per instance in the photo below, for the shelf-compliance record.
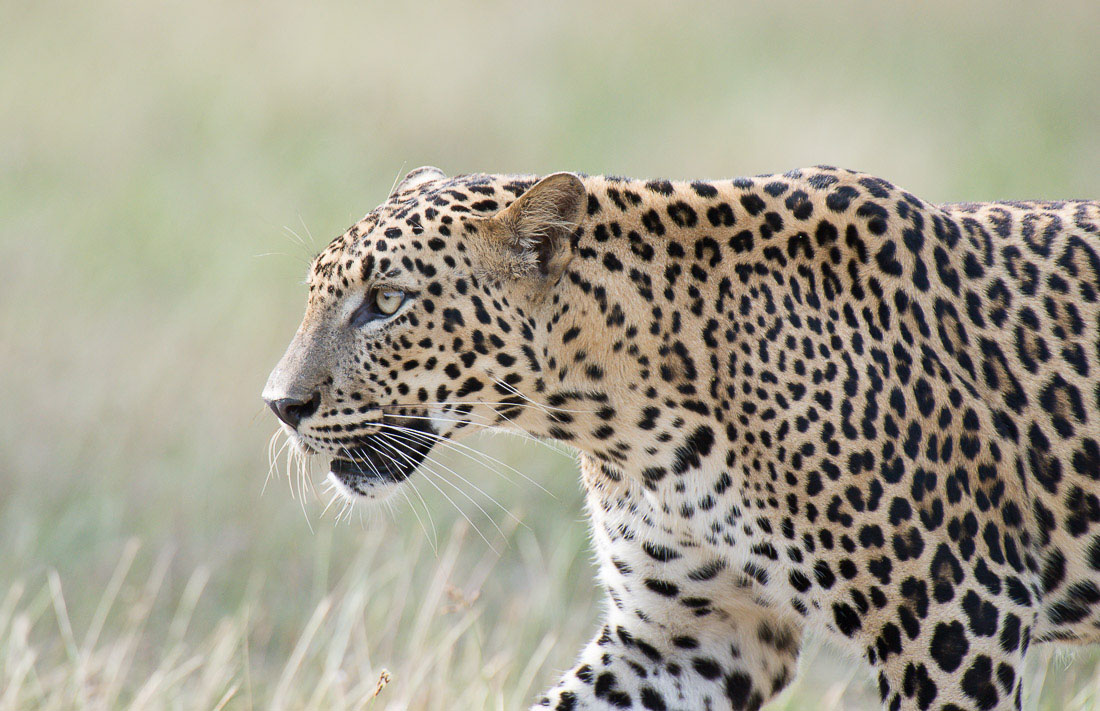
(808, 402)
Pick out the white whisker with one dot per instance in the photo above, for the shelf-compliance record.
(452, 443)
(289, 463)
(412, 506)
(273, 457)
(396, 445)
(452, 502)
(458, 403)
(437, 439)
(335, 495)
(489, 427)
(312, 241)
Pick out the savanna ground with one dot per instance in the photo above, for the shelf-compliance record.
(168, 168)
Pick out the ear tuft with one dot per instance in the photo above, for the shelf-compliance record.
(419, 176)
(542, 220)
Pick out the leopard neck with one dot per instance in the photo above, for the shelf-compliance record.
(646, 337)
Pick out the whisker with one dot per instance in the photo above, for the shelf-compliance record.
(453, 443)
(501, 384)
(388, 438)
(312, 241)
(452, 502)
(301, 463)
(289, 463)
(435, 534)
(273, 457)
(431, 541)
(431, 436)
(335, 495)
(457, 403)
(397, 178)
(427, 512)
(490, 427)
(298, 238)
(349, 501)
(306, 471)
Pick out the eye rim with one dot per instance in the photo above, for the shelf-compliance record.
(370, 310)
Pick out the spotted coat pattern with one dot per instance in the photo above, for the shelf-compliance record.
(808, 400)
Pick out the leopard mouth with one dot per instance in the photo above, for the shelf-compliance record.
(382, 459)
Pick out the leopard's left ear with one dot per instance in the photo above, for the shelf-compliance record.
(540, 223)
(419, 176)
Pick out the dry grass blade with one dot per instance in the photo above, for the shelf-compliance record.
(294, 663)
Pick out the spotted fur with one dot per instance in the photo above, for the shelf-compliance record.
(808, 400)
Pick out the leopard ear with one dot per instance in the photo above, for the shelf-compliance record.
(540, 223)
(419, 176)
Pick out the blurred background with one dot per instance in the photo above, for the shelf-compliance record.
(168, 168)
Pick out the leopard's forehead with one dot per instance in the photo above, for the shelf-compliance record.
(424, 222)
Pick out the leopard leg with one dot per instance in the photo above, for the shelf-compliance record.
(685, 629)
(636, 665)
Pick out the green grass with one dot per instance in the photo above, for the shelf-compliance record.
(161, 166)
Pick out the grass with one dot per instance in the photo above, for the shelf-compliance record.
(139, 649)
(168, 168)
(399, 627)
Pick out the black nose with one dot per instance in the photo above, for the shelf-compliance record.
(291, 410)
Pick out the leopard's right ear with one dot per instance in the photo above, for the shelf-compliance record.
(419, 176)
(537, 227)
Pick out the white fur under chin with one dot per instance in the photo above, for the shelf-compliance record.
(342, 490)
(375, 494)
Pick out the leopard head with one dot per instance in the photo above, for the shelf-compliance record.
(422, 323)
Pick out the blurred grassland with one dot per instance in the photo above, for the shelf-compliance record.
(168, 168)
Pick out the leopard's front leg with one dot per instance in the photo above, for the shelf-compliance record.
(636, 665)
(684, 630)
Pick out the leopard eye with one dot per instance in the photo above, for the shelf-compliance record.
(379, 304)
(388, 301)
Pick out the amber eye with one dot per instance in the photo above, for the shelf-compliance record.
(379, 304)
(388, 301)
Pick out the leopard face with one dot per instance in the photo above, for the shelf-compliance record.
(420, 324)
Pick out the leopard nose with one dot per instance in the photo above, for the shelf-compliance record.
(292, 411)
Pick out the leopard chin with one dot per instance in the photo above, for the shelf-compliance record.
(378, 460)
